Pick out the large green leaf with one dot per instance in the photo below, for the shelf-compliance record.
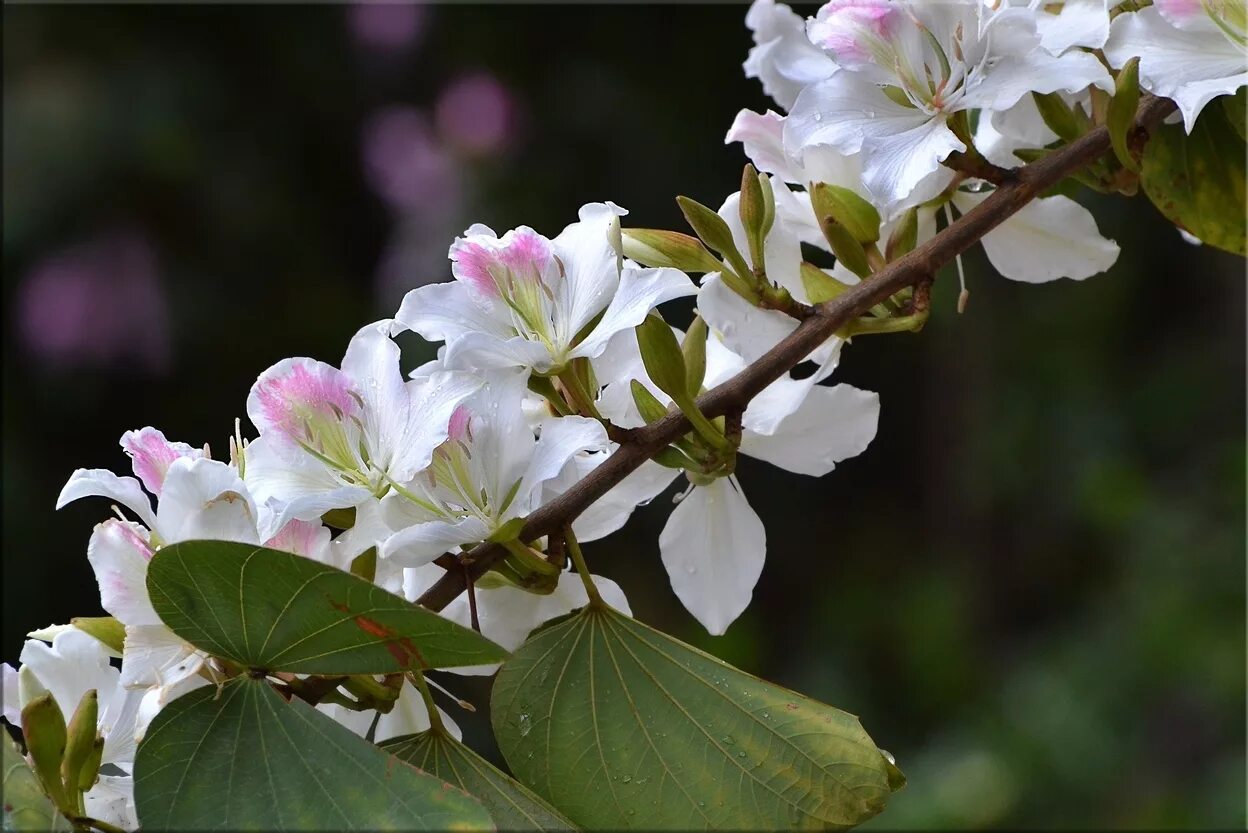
(512, 805)
(620, 726)
(26, 807)
(277, 611)
(1198, 180)
(246, 759)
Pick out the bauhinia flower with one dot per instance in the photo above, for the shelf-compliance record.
(524, 301)
(909, 70)
(335, 438)
(72, 665)
(197, 498)
(489, 472)
(714, 543)
(783, 58)
(1190, 50)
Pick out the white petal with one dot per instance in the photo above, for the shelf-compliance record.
(293, 485)
(1037, 70)
(444, 312)
(418, 545)
(103, 483)
(783, 58)
(762, 135)
(154, 656)
(561, 439)
(1191, 66)
(746, 329)
(111, 800)
(369, 530)
(119, 552)
(1049, 238)
(74, 663)
(589, 264)
(831, 424)
(611, 511)
(205, 499)
(713, 547)
(1079, 23)
(487, 351)
(432, 400)
(12, 706)
(639, 291)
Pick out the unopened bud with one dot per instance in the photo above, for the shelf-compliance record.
(650, 408)
(716, 234)
(1121, 114)
(657, 248)
(904, 236)
(849, 252)
(855, 214)
(80, 740)
(1058, 116)
(660, 352)
(28, 686)
(819, 285)
(753, 210)
(43, 728)
(693, 348)
(104, 628)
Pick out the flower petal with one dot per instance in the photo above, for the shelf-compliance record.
(103, 483)
(118, 552)
(1049, 238)
(589, 263)
(293, 486)
(1190, 65)
(783, 58)
(152, 453)
(419, 544)
(205, 499)
(746, 329)
(486, 351)
(561, 439)
(713, 547)
(830, 425)
(639, 291)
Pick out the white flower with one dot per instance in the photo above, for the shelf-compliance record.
(714, 544)
(783, 58)
(198, 498)
(332, 438)
(490, 470)
(523, 301)
(71, 666)
(943, 59)
(1190, 50)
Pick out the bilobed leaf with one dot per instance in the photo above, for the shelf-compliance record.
(1198, 180)
(512, 805)
(277, 611)
(620, 726)
(246, 759)
(25, 805)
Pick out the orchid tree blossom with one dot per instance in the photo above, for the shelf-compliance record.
(783, 58)
(73, 664)
(334, 438)
(197, 498)
(488, 474)
(714, 544)
(908, 72)
(1191, 51)
(525, 301)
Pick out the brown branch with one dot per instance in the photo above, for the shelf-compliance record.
(977, 167)
(918, 266)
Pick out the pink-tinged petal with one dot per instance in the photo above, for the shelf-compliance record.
(1181, 13)
(854, 30)
(459, 427)
(490, 265)
(103, 483)
(118, 553)
(762, 135)
(294, 391)
(151, 454)
(307, 538)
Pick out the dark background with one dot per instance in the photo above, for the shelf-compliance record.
(1031, 586)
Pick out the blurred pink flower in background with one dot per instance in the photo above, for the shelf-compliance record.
(476, 114)
(388, 27)
(405, 164)
(97, 304)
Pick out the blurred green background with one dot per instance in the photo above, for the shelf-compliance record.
(1031, 587)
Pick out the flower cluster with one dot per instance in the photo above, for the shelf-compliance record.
(552, 352)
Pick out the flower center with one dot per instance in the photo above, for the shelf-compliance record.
(517, 271)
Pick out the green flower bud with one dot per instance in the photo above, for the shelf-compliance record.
(43, 727)
(693, 348)
(660, 352)
(820, 286)
(846, 209)
(904, 237)
(1121, 113)
(80, 740)
(651, 409)
(104, 628)
(657, 248)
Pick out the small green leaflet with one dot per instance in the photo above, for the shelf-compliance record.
(25, 805)
(621, 726)
(1198, 181)
(276, 611)
(512, 805)
(243, 758)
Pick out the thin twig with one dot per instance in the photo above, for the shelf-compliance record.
(1027, 183)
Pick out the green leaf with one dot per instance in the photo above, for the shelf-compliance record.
(512, 805)
(245, 758)
(621, 726)
(25, 805)
(1122, 112)
(278, 611)
(1197, 180)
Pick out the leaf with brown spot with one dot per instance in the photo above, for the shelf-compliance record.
(276, 611)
